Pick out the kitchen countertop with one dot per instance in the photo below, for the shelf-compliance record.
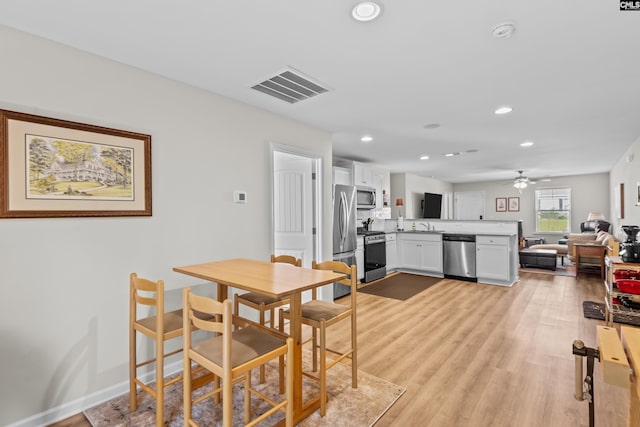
(449, 232)
(419, 231)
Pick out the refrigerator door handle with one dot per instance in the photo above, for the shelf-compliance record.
(344, 219)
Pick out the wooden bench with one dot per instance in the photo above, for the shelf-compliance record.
(538, 258)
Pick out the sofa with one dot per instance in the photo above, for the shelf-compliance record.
(599, 238)
(588, 232)
(562, 250)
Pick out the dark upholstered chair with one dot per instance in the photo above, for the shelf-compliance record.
(594, 226)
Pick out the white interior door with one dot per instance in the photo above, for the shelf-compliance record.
(293, 206)
(469, 205)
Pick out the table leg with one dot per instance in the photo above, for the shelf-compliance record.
(295, 330)
(223, 292)
(301, 409)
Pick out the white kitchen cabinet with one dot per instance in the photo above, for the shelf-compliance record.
(360, 257)
(392, 251)
(342, 176)
(362, 175)
(493, 261)
(420, 251)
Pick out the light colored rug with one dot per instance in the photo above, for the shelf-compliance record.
(362, 406)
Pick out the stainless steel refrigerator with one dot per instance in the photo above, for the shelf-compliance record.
(344, 231)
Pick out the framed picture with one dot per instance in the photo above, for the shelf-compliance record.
(514, 204)
(501, 204)
(56, 168)
(618, 196)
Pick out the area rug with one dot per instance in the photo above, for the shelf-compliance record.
(596, 310)
(400, 286)
(362, 406)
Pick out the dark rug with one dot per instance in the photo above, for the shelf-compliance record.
(596, 310)
(400, 286)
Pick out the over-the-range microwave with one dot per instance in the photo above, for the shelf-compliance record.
(365, 198)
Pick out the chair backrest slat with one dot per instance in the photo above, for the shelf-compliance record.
(196, 303)
(287, 259)
(145, 291)
(338, 267)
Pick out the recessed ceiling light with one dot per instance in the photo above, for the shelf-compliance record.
(450, 154)
(366, 138)
(505, 109)
(432, 126)
(503, 30)
(424, 157)
(526, 144)
(366, 11)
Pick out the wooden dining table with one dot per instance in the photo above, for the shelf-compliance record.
(277, 280)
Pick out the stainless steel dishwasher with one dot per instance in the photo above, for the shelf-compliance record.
(459, 252)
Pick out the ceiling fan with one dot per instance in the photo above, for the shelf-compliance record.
(521, 181)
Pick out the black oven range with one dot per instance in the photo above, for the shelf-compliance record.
(375, 255)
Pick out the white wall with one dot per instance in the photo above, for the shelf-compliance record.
(627, 171)
(411, 189)
(589, 193)
(64, 305)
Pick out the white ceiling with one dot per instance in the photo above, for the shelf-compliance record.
(571, 71)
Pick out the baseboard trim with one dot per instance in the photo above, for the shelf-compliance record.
(77, 406)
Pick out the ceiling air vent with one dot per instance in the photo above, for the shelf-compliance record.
(290, 86)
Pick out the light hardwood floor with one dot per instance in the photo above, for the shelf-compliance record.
(482, 355)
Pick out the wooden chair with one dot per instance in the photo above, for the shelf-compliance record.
(322, 314)
(159, 327)
(264, 303)
(231, 355)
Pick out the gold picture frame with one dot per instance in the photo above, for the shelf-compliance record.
(57, 168)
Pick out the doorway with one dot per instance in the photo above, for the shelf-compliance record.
(296, 203)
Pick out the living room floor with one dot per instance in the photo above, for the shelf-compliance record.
(481, 355)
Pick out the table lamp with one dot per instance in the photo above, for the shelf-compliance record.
(595, 216)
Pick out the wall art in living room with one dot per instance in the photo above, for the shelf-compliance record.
(58, 168)
(514, 204)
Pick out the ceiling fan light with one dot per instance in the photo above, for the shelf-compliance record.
(520, 185)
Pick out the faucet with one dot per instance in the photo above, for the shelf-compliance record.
(428, 226)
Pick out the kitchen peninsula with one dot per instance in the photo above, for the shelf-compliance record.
(420, 248)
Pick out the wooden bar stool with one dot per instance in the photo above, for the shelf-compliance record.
(322, 314)
(263, 303)
(231, 355)
(160, 328)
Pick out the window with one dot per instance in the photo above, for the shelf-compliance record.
(553, 210)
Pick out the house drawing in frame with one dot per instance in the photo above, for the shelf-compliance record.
(74, 170)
